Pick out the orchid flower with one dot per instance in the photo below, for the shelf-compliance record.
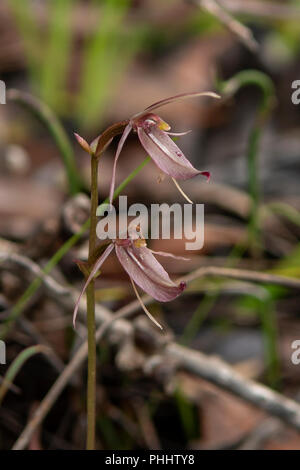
(142, 268)
(154, 135)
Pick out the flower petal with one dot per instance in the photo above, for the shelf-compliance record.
(165, 153)
(170, 255)
(172, 99)
(148, 273)
(97, 266)
(125, 134)
(178, 134)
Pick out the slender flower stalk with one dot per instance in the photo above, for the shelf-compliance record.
(90, 299)
(95, 149)
(154, 135)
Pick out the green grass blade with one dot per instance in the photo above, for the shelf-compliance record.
(52, 123)
(17, 364)
(56, 56)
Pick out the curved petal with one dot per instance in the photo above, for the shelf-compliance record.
(170, 255)
(165, 153)
(125, 134)
(97, 266)
(179, 134)
(148, 273)
(172, 99)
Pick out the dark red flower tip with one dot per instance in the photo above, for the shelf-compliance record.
(182, 286)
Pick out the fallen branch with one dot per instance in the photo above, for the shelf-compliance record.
(56, 289)
(195, 362)
(243, 275)
(219, 373)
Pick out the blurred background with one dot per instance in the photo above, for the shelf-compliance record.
(80, 66)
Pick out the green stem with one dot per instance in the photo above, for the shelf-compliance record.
(269, 327)
(16, 365)
(48, 118)
(90, 297)
(102, 143)
(254, 190)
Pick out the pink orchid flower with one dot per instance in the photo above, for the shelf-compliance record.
(154, 136)
(142, 268)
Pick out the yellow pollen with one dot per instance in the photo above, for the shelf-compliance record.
(140, 243)
(163, 126)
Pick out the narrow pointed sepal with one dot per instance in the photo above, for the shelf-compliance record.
(149, 315)
(83, 143)
(174, 99)
(124, 136)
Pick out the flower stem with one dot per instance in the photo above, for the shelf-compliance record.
(102, 142)
(90, 296)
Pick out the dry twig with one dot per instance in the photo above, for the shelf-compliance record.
(265, 9)
(195, 362)
(243, 33)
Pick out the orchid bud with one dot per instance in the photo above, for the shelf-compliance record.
(83, 143)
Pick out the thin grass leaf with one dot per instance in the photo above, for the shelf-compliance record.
(52, 123)
(17, 364)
